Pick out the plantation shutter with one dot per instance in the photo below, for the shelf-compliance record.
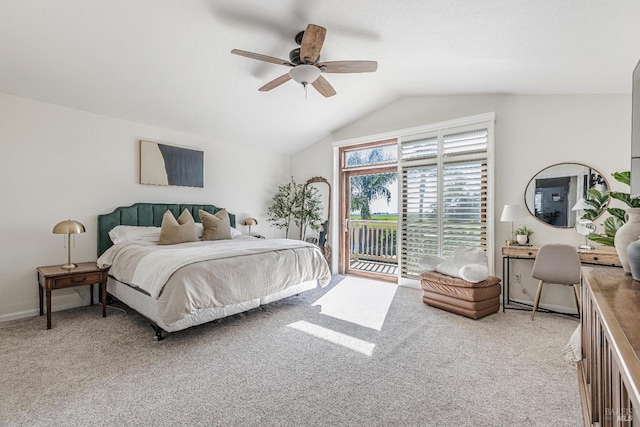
(444, 193)
(464, 213)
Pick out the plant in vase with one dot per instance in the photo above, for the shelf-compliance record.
(522, 235)
(287, 207)
(622, 227)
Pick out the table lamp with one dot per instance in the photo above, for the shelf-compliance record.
(250, 222)
(511, 213)
(584, 226)
(68, 227)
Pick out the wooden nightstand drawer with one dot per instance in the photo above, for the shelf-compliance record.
(77, 280)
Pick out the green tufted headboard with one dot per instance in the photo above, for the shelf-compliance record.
(145, 214)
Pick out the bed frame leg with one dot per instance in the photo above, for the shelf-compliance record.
(159, 332)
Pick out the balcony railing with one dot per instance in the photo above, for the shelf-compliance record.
(373, 240)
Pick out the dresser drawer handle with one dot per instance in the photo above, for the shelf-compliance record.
(595, 258)
(529, 253)
(74, 280)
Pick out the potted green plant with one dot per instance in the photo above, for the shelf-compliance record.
(522, 235)
(617, 218)
(287, 206)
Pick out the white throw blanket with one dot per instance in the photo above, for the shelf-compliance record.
(573, 350)
(149, 267)
(468, 263)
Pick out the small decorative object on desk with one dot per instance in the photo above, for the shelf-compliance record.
(585, 227)
(522, 235)
(633, 257)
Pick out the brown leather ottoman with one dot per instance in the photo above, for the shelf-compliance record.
(474, 300)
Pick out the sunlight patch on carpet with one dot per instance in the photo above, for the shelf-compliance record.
(344, 340)
(364, 302)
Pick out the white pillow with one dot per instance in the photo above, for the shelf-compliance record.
(474, 273)
(234, 233)
(126, 233)
(429, 262)
(475, 258)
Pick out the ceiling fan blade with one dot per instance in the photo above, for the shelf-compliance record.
(275, 82)
(261, 57)
(312, 42)
(348, 66)
(322, 85)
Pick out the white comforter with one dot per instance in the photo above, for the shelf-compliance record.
(191, 276)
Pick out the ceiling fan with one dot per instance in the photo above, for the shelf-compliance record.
(304, 62)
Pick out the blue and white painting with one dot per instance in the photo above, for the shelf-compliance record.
(163, 164)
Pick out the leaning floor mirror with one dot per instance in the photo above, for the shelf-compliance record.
(317, 230)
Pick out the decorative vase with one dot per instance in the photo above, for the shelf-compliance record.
(633, 256)
(522, 239)
(626, 234)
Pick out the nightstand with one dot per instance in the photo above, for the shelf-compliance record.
(55, 277)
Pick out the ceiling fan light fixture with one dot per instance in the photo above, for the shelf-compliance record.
(304, 74)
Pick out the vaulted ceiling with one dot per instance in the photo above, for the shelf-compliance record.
(167, 63)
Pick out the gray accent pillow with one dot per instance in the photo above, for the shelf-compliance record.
(216, 226)
(174, 231)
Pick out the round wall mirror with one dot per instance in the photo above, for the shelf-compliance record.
(556, 194)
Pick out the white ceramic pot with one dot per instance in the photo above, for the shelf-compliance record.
(633, 256)
(522, 239)
(626, 234)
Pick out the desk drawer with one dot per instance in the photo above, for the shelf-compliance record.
(527, 252)
(599, 258)
(77, 280)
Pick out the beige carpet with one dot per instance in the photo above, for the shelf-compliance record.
(355, 353)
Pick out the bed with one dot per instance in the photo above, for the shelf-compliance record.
(177, 286)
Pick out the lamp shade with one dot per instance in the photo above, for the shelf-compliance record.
(304, 73)
(580, 205)
(250, 221)
(511, 213)
(68, 227)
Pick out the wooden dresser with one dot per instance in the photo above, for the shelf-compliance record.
(609, 373)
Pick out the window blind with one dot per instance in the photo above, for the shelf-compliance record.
(444, 194)
(419, 215)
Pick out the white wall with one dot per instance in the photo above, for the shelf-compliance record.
(58, 163)
(532, 132)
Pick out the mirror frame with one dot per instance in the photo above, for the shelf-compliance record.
(528, 208)
(326, 249)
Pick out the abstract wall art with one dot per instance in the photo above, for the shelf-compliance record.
(163, 164)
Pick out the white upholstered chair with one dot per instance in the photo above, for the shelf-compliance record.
(560, 264)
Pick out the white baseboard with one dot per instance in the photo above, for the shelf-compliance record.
(76, 298)
(36, 312)
(409, 283)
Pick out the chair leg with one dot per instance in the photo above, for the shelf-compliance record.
(535, 304)
(576, 293)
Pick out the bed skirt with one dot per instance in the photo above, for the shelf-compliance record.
(147, 306)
